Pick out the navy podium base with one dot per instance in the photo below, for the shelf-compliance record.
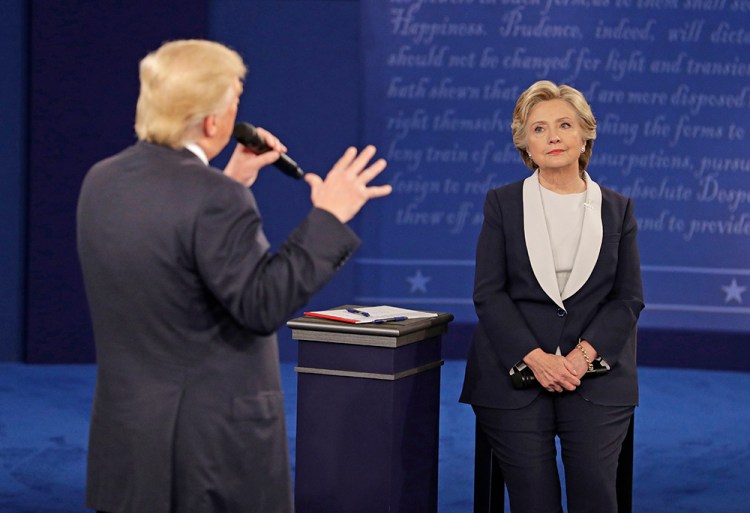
(368, 406)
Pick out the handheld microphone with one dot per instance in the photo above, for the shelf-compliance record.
(247, 135)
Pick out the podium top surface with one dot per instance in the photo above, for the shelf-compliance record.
(389, 334)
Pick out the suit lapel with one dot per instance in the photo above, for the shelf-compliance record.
(591, 240)
(537, 240)
(540, 250)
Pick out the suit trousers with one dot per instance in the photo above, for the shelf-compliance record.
(591, 437)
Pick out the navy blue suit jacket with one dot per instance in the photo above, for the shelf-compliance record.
(520, 307)
(185, 297)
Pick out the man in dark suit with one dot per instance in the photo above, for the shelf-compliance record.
(185, 296)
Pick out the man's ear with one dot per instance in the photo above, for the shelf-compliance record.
(209, 126)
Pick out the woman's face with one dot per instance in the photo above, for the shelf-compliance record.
(553, 136)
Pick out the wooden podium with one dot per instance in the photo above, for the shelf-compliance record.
(368, 405)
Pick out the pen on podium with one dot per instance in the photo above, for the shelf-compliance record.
(355, 311)
(381, 321)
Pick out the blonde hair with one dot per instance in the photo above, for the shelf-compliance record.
(181, 83)
(545, 90)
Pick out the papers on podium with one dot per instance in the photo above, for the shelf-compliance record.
(370, 314)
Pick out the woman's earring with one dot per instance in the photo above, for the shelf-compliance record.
(583, 148)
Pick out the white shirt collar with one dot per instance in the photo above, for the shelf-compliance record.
(539, 247)
(198, 151)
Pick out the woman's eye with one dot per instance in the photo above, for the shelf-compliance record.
(565, 125)
(538, 129)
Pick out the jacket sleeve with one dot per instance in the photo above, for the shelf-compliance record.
(503, 324)
(261, 289)
(614, 323)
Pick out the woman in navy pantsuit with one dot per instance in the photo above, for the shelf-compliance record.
(557, 286)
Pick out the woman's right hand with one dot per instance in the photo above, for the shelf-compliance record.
(553, 372)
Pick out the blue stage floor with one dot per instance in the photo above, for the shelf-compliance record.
(692, 439)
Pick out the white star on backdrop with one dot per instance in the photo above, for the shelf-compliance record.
(733, 291)
(418, 282)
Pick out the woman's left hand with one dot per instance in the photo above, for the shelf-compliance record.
(552, 371)
(578, 361)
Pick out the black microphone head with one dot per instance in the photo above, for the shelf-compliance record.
(246, 134)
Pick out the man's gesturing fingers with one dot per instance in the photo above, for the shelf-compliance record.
(344, 190)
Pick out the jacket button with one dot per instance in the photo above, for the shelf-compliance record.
(561, 312)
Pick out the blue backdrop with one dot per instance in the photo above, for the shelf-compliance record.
(432, 84)
(669, 83)
(12, 177)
